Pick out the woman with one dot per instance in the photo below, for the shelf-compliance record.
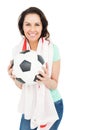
(32, 25)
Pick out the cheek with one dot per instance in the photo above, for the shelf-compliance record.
(40, 31)
(25, 30)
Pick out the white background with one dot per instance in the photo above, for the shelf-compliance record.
(68, 28)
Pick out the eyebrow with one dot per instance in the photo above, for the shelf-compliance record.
(30, 22)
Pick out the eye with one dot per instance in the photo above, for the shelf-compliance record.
(37, 24)
(28, 24)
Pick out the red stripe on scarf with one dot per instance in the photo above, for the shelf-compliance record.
(42, 126)
(24, 48)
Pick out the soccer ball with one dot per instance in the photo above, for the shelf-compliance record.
(26, 66)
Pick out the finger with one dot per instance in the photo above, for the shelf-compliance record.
(46, 68)
(13, 76)
(39, 78)
(42, 74)
(45, 71)
(38, 81)
(9, 66)
(10, 71)
(12, 63)
(46, 65)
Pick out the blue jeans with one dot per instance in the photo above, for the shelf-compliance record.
(25, 124)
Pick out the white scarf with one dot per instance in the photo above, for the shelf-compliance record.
(36, 102)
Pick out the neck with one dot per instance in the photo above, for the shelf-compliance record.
(33, 45)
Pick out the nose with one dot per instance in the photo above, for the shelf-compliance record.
(32, 28)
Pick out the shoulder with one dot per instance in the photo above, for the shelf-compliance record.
(56, 53)
(17, 48)
(55, 47)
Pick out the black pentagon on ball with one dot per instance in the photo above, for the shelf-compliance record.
(25, 66)
(20, 80)
(40, 59)
(25, 51)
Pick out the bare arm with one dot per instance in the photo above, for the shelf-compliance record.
(52, 82)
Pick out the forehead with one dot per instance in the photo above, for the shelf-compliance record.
(32, 17)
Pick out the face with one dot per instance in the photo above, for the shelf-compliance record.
(32, 27)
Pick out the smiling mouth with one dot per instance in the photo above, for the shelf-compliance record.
(32, 34)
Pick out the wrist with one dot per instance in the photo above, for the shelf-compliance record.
(51, 84)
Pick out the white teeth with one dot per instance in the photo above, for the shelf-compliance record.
(32, 35)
